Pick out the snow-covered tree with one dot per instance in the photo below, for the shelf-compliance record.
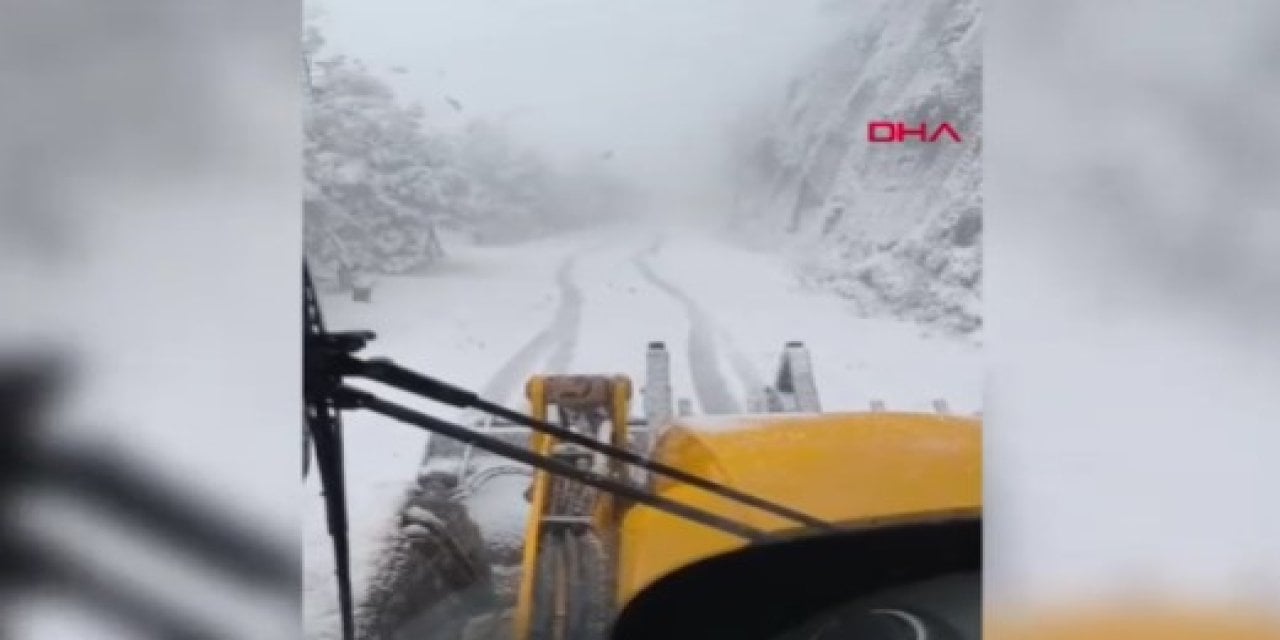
(373, 193)
(381, 185)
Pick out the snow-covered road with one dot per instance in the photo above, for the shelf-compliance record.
(591, 303)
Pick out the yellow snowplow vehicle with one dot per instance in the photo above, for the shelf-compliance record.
(848, 525)
(785, 523)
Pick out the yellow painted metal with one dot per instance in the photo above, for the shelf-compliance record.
(607, 510)
(857, 470)
(540, 443)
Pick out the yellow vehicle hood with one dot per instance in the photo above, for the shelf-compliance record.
(853, 469)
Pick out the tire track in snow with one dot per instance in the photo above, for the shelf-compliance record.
(568, 320)
(560, 334)
(752, 385)
(712, 390)
(559, 337)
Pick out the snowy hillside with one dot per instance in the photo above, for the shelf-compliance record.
(895, 227)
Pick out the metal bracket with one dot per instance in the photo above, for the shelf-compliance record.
(794, 389)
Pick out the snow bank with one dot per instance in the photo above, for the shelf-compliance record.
(757, 306)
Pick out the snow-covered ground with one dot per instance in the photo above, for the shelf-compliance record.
(591, 303)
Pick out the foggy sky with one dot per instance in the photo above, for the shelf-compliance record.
(655, 81)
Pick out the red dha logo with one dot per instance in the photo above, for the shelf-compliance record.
(899, 132)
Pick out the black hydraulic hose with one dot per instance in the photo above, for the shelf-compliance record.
(355, 398)
(392, 374)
